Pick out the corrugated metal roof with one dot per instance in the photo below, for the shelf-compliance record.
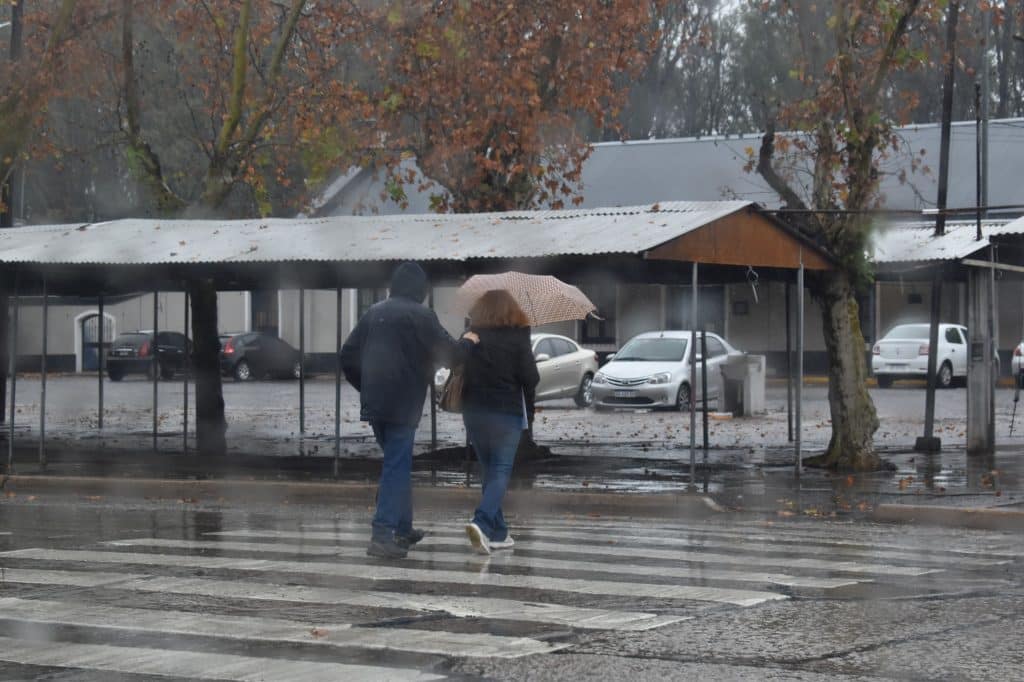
(522, 234)
(915, 242)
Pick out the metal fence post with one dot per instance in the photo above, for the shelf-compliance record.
(693, 378)
(799, 368)
(100, 363)
(704, 386)
(156, 365)
(188, 370)
(12, 346)
(337, 382)
(42, 377)
(302, 367)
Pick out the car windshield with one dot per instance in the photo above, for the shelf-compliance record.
(652, 350)
(908, 331)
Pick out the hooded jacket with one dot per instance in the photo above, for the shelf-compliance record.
(392, 354)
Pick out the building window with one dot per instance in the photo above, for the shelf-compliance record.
(368, 297)
(596, 331)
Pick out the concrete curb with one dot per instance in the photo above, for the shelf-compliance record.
(965, 517)
(659, 505)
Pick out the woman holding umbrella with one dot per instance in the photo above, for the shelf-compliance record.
(499, 379)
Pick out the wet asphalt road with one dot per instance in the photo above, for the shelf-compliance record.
(263, 418)
(102, 589)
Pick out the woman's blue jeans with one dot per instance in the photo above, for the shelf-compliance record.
(495, 438)
(394, 495)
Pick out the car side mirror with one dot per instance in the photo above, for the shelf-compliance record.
(611, 356)
(542, 357)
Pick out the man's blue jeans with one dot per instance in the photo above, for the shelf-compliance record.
(394, 494)
(495, 438)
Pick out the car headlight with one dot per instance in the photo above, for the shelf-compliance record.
(600, 379)
(660, 378)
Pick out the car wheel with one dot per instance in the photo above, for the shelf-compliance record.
(884, 381)
(945, 376)
(166, 372)
(115, 374)
(297, 370)
(585, 396)
(242, 371)
(683, 398)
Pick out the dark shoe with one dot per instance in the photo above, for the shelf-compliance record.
(407, 541)
(386, 549)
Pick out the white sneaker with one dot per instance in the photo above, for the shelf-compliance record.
(507, 543)
(479, 541)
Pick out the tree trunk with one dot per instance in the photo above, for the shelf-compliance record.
(854, 420)
(211, 425)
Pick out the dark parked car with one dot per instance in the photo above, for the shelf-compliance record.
(132, 353)
(252, 355)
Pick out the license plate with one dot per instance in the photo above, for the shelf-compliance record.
(122, 353)
(624, 394)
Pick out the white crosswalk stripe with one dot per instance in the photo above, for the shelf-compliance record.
(272, 629)
(738, 597)
(585, 545)
(437, 553)
(307, 600)
(455, 605)
(194, 665)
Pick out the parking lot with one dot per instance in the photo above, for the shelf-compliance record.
(263, 417)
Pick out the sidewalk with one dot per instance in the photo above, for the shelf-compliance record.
(948, 488)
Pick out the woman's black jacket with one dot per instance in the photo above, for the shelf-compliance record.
(500, 372)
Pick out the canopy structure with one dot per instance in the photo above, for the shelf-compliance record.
(639, 243)
(646, 244)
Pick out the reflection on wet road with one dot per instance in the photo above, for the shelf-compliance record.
(203, 595)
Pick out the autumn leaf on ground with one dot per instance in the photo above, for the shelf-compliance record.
(318, 633)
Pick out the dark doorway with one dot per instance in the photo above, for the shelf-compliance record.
(264, 311)
(91, 341)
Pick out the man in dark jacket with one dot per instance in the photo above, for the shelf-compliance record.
(390, 358)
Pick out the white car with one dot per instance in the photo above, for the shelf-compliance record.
(653, 370)
(903, 354)
(566, 369)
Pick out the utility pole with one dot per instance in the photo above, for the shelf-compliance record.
(8, 191)
(7, 202)
(986, 98)
(929, 442)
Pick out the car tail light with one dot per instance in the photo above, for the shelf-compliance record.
(877, 350)
(923, 350)
(229, 348)
(144, 349)
(1017, 352)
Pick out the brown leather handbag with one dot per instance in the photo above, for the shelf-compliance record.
(451, 392)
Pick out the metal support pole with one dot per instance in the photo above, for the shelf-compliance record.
(337, 383)
(789, 367)
(928, 442)
(42, 377)
(12, 372)
(695, 322)
(798, 431)
(704, 387)
(433, 393)
(156, 366)
(302, 364)
(100, 363)
(986, 41)
(188, 370)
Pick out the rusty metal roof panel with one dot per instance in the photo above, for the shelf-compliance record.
(916, 242)
(520, 234)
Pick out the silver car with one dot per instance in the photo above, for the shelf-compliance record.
(566, 369)
(653, 370)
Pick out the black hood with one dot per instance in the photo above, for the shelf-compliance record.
(409, 281)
